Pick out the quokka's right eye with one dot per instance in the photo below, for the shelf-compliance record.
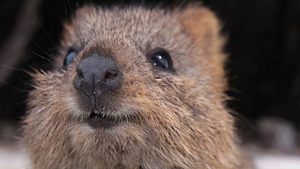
(70, 57)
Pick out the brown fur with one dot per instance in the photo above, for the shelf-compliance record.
(176, 120)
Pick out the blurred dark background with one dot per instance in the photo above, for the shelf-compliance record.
(263, 43)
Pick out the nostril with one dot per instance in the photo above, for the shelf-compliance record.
(110, 75)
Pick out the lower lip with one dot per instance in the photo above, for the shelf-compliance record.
(102, 123)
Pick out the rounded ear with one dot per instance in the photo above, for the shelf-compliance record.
(203, 27)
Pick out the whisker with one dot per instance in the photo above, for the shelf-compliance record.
(39, 55)
(46, 33)
(10, 67)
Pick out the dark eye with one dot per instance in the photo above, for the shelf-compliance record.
(70, 57)
(161, 58)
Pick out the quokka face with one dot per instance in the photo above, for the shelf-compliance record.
(133, 88)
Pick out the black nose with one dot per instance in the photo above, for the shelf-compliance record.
(97, 74)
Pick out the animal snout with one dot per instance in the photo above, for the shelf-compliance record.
(97, 74)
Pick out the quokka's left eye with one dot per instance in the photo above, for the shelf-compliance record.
(161, 58)
(70, 57)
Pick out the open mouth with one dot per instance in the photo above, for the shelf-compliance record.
(100, 120)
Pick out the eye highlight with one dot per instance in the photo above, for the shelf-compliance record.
(70, 57)
(160, 58)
